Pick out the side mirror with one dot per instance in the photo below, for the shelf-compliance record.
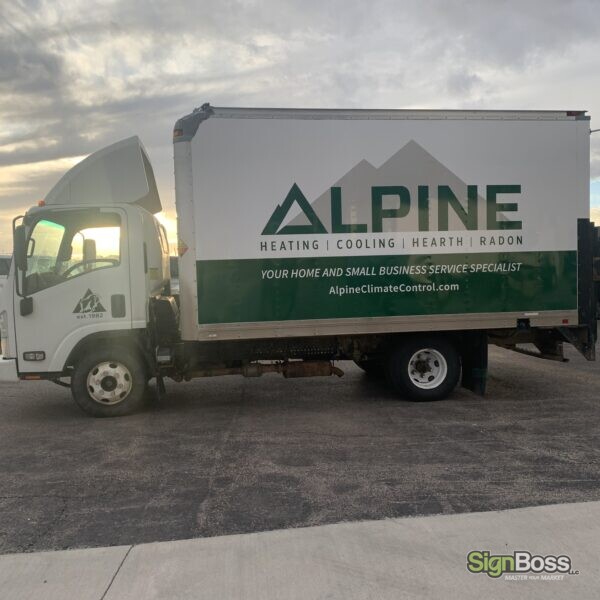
(89, 250)
(20, 258)
(26, 306)
(20, 248)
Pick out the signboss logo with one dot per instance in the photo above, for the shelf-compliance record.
(482, 561)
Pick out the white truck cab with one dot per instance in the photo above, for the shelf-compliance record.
(87, 261)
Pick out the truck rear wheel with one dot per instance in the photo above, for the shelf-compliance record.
(424, 368)
(109, 382)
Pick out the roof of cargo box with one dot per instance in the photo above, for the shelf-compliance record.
(186, 127)
(118, 174)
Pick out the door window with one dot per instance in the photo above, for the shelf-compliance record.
(68, 244)
(94, 248)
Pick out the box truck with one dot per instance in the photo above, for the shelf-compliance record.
(404, 240)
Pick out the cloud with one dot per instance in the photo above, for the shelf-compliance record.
(75, 75)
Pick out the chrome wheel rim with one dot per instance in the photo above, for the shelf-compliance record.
(427, 368)
(109, 383)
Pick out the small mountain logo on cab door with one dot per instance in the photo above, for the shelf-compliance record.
(90, 303)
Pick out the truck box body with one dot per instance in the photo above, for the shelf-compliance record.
(331, 222)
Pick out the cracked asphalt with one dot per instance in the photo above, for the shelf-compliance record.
(232, 455)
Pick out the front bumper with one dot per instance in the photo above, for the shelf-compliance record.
(8, 370)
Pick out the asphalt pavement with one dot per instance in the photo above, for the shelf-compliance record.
(232, 455)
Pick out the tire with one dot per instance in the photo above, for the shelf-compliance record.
(424, 368)
(372, 368)
(109, 382)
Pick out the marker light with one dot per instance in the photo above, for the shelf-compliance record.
(35, 356)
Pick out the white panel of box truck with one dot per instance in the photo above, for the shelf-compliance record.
(404, 240)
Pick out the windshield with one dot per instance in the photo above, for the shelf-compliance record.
(44, 245)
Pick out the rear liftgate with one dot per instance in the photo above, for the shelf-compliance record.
(549, 342)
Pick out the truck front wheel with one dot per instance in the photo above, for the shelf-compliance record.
(424, 368)
(109, 382)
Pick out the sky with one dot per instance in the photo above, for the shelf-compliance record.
(78, 75)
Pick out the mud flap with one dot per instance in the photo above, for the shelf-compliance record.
(474, 355)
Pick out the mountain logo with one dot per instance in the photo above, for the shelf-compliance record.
(294, 195)
(90, 303)
(410, 191)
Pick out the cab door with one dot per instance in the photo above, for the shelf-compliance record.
(78, 280)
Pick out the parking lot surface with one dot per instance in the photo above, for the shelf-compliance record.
(232, 455)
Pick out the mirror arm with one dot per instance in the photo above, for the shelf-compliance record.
(20, 261)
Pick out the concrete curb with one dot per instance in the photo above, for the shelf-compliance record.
(422, 557)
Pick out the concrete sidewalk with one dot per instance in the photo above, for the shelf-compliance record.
(423, 557)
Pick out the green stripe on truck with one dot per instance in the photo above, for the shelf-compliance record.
(286, 289)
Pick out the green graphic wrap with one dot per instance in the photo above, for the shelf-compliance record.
(283, 289)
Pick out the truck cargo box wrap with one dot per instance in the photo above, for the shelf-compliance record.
(301, 222)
